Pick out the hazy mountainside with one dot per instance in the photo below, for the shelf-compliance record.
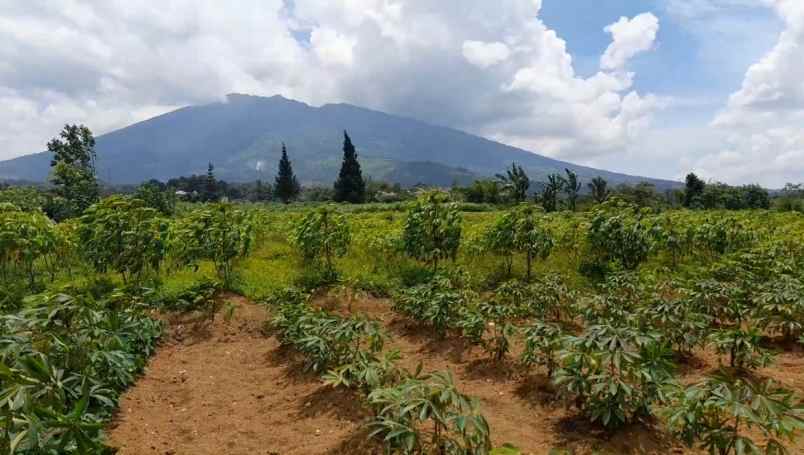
(242, 138)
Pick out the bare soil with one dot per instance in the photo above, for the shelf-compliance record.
(227, 388)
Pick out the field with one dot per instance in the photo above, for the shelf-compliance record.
(426, 327)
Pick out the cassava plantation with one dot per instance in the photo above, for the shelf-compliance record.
(428, 326)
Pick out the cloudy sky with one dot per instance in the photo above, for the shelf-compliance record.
(649, 87)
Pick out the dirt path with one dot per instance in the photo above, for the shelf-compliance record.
(228, 389)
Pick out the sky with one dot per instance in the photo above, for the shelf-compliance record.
(649, 87)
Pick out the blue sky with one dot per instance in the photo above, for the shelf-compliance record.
(649, 87)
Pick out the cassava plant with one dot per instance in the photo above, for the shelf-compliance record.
(432, 230)
(321, 236)
(219, 233)
(723, 414)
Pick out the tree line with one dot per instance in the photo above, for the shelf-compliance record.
(75, 186)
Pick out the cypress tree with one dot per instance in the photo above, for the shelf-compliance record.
(286, 187)
(350, 186)
(211, 185)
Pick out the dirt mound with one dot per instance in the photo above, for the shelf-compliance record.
(220, 386)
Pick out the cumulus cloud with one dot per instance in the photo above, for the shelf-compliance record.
(629, 38)
(760, 126)
(485, 55)
(491, 68)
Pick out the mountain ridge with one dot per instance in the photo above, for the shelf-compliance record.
(242, 137)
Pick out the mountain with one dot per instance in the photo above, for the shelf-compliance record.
(243, 138)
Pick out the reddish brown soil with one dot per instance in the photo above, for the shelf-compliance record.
(225, 388)
(231, 389)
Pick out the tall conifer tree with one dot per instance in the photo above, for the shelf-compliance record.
(211, 185)
(287, 187)
(350, 186)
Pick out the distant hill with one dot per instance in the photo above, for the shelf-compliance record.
(242, 137)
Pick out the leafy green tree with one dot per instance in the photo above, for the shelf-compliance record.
(350, 186)
(694, 190)
(572, 188)
(756, 197)
(321, 236)
(549, 194)
(286, 188)
(483, 192)
(599, 189)
(432, 229)
(515, 182)
(219, 233)
(73, 167)
(122, 234)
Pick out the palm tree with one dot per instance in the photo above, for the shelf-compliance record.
(599, 189)
(571, 186)
(515, 182)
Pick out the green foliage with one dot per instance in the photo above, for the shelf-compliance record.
(321, 236)
(158, 197)
(286, 187)
(599, 189)
(329, 341)
(432, 230)
(121, 234)
(406, 410)
(219, 233)
(693, 193)
(518, 231)
(543, 342)
(614, 374)
(64, 362)
(515, 182)
(572, 187)
(620, 236)
(350, 186)
(26, 198)
(549, 193)
(26, 239)
(436, 303)
(723, 413)
(73, 166)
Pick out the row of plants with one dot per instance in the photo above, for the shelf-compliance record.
(414, 413)
(64, 360)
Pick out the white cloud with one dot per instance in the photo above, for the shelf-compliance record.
(491, 68)
(485, 55)
(331, 47)
(629, 38)
(762, 137)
